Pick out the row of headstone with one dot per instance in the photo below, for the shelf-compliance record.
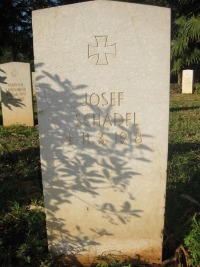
(103, 71)
(16, 93)
(16, 88)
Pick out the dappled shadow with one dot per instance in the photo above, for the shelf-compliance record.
(2, 80)
(2, 71)
(85, 157)
(8, 99)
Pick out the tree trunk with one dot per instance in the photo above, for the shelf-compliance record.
(179, 76)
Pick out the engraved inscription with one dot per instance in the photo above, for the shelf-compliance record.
(101, 50)
(104, 119)
(85, 138)
(102, 138)
(17, 90)
(138, 138)
(104, 99)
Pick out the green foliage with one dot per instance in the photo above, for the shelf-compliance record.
(183, 168)
(113, 264)
(16, 42)
(185, 47)
(187, 1)
(23, 238)
(192, 241)
(22, 229)
(113, 260)
(16, 28)
(192, 28)
(197, 88)
(20, 175)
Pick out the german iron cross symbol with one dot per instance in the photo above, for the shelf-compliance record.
(101, 50)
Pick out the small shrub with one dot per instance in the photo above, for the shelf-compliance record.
(116, 259)
(192, 241)
(22, 237)
(197, 88)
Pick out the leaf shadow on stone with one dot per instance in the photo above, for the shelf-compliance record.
(7, 98)
(99, 163)
(9, 101)
(2, 80)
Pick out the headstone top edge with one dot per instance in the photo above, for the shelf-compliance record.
(100, 2)
(15, 62)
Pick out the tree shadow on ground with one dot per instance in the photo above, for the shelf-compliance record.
(183, 108)
(20, 177)
(182, 195)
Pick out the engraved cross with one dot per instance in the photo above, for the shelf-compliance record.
(101, 50)
(14, 72)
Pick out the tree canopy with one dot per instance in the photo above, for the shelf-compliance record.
(16, 29)
(185, 45)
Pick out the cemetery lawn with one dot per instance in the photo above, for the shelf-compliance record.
(22, 221)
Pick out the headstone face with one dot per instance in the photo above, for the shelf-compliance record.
(187, 81)
(16, 94)
(102, 72)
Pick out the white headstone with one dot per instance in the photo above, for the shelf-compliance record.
(33, 83)
(16, 94)
(2, 80)
(103, 102)
(187, 81)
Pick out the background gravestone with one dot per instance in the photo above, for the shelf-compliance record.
(33, 83)
(187, 81)
(16, 94)
(102, 74)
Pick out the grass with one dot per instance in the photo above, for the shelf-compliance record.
(20, 166)
(192, 241)
(22, 229)
(183, 187)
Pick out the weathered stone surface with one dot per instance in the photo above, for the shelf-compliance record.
(187, 81)
(103, 101)
(16, 94)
